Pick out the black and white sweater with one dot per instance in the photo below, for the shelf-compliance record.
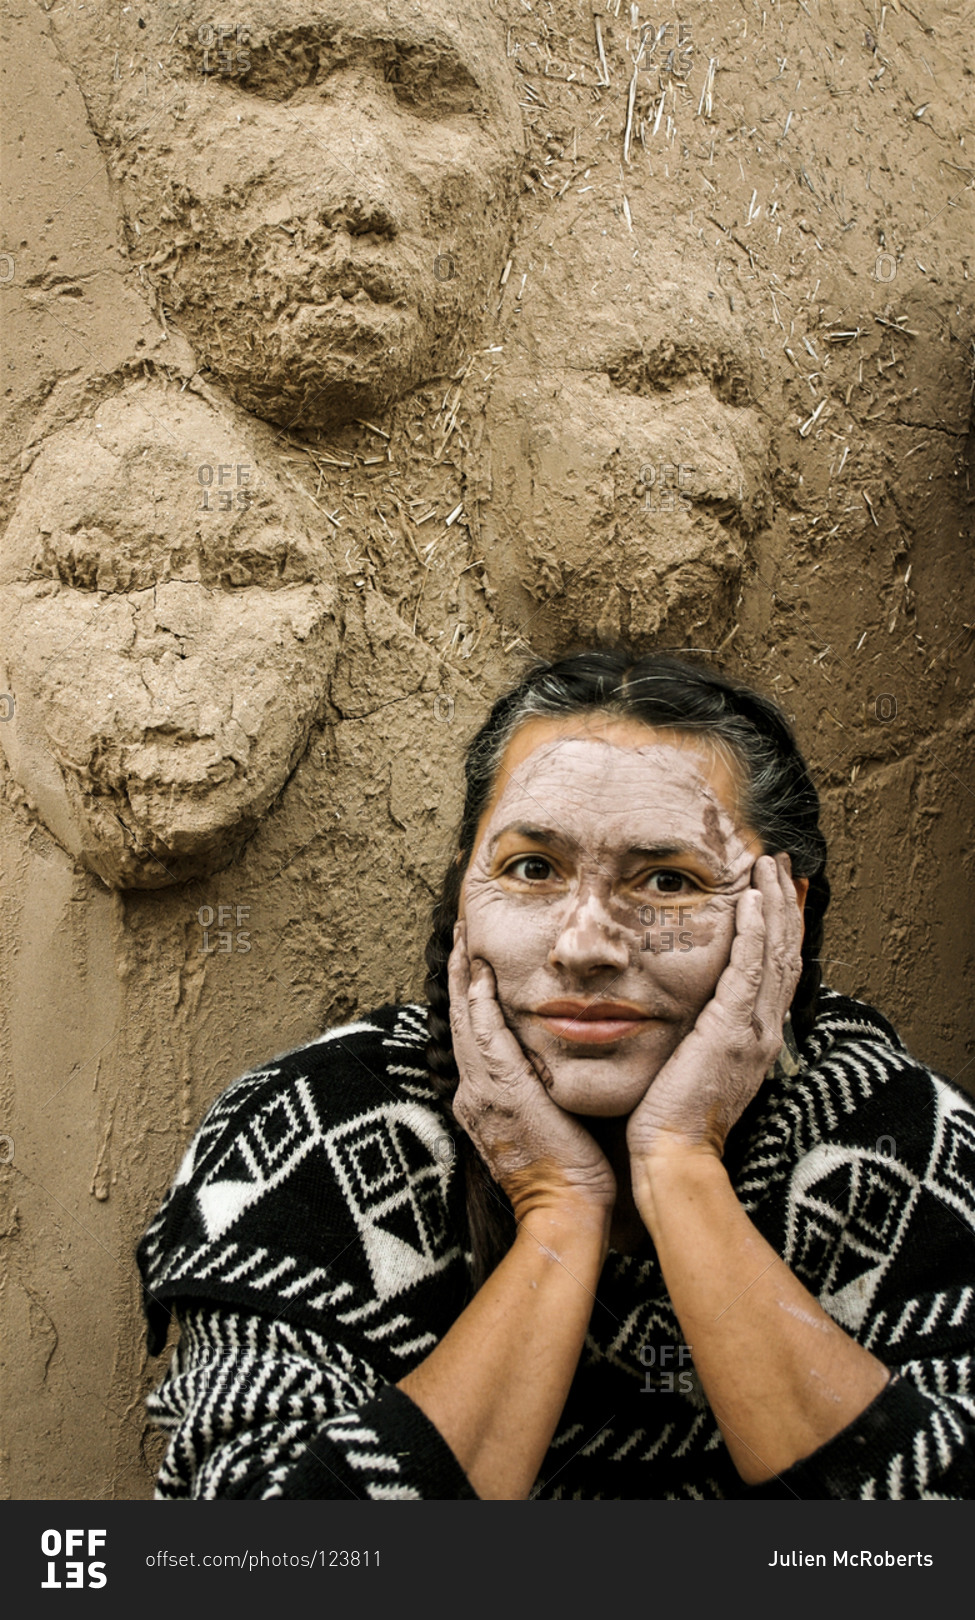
(315, 1248)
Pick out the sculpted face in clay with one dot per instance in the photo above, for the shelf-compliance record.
(166, 646)
(592, 829)
(323, 201)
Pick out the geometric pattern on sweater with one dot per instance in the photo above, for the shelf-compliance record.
(398, 1212)
(263, 1394)
(314, 1246)
(273, 1133)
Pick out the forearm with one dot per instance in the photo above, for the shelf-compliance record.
(781, 1377)
(496, 1383)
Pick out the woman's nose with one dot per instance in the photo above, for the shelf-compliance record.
(589, 939)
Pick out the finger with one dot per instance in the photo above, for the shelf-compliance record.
(767, 876)
(491, 1033)
(458, 965)
(737, 989)
(483, 983)
(783, 962)
(793, 910)
(465, 1044)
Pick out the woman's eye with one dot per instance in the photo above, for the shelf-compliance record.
(530, 868)
(670, 882)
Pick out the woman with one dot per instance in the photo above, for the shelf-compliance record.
(634, 1207)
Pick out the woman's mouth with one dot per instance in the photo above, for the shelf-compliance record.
(592, 1023)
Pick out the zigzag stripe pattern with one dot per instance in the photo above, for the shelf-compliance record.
(314, 1247)
(245, 1398)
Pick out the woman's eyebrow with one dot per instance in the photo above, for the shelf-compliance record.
(666, 852)
(538, 835)
(549, 835)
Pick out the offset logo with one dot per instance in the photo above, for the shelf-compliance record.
(65, 1568)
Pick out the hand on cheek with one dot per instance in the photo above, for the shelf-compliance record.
(718, 1067)
(538, 1153)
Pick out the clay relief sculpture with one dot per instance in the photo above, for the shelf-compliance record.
(166, 659)
(320, 210)
(641, 448)
(323, 200)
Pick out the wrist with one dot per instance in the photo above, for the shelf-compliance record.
(674, 1173)
(566, 1227)
(545, 1186)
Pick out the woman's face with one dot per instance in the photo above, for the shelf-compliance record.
(602, 890)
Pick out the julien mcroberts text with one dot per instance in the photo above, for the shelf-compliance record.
(853, 1560)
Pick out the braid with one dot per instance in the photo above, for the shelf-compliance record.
(440, 1050)
(489, 1213)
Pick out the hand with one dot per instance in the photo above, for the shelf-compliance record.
(537, 1152)
(705, 1086)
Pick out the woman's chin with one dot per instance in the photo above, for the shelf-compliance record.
(602, 1096)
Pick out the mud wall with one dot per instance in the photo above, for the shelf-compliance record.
(659, 324)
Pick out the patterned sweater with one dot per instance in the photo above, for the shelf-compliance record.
(314, 1247)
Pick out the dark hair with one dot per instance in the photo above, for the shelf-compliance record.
(778, 799)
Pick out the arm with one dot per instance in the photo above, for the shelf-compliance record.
(496, 1383)
(781, 1377)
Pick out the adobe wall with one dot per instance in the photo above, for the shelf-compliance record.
(688, 358)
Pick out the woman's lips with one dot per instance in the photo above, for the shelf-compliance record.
(596, 1031)
(592, 1023)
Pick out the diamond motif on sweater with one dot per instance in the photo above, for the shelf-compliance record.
(397, 1208)
(847, 1210)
